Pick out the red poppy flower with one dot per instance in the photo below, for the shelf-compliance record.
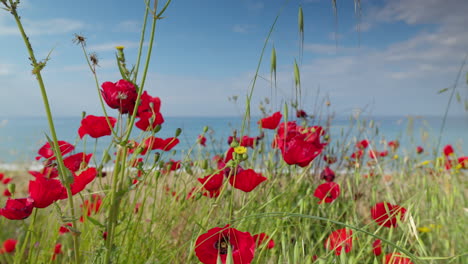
(201, 140)
(327, 192)
(329, 159)
(340, 239)
(57, 250)
(271, 122)
(17, 209)
(6, 180)
(82, 179)
(262, 238)
(463, 161)
(149, 104)
(96, 126)
(383, 153)
(153, 143)
(7, 193)
(372, 154)
(394, 144)
(301, 113)
(92, 206)
(327, 174)
(246, 180)
(419, 149)
(362, 144)
(247, 141)
(48, 172)
(9, 245)
(74, 162)
(46, 150)
(172, 165)
(45, 191)
(228, 155)
(377, 247)
(386, 214)
(212, 182)
(121, 95)
(64, 229)
(149, 121)
(396, 259)
(300, 151)
(448, 150)
(217, 241)
(357, 155)
(1, 176)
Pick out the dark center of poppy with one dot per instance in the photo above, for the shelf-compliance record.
(222, 246)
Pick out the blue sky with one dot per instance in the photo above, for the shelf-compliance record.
(207, 50)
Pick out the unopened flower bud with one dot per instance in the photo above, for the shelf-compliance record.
(204, 164)
(157, 155)
(178, 132)
(156, 129)
(11, 188)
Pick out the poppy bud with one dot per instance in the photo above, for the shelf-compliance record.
(244, 156)
(204, 164)
(157, 128)
(11, 188)
(157, 155)
(178, 132)
(157, 174)
(205, 129)
(188, 169)
(106, 157)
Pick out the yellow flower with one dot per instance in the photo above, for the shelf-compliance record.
(395, 157)
(424, 229)
(240, 150)
(120, 48)
(425, 162)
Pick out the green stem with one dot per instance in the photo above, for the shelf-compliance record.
(20, 254)
(145, 71)
(142, 39)
(448, 106)
(37, 72)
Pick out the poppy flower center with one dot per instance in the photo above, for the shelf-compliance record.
(122, 96)
(222, 246)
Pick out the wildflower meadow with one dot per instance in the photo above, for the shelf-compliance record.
(282, 190)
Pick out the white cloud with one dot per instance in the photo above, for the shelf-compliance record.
(5, 69)
(242, 28)
(54, 26)
(424, 11)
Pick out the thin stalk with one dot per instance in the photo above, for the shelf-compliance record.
(142, 39)
(37, 72)
(249, 97)
(448, 106)
(145, 71)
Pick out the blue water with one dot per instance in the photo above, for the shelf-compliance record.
(21, 137)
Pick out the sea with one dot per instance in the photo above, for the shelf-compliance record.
(21, 137)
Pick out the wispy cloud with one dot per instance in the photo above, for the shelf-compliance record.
(5, 69)
(242, 28)
(54, 26)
